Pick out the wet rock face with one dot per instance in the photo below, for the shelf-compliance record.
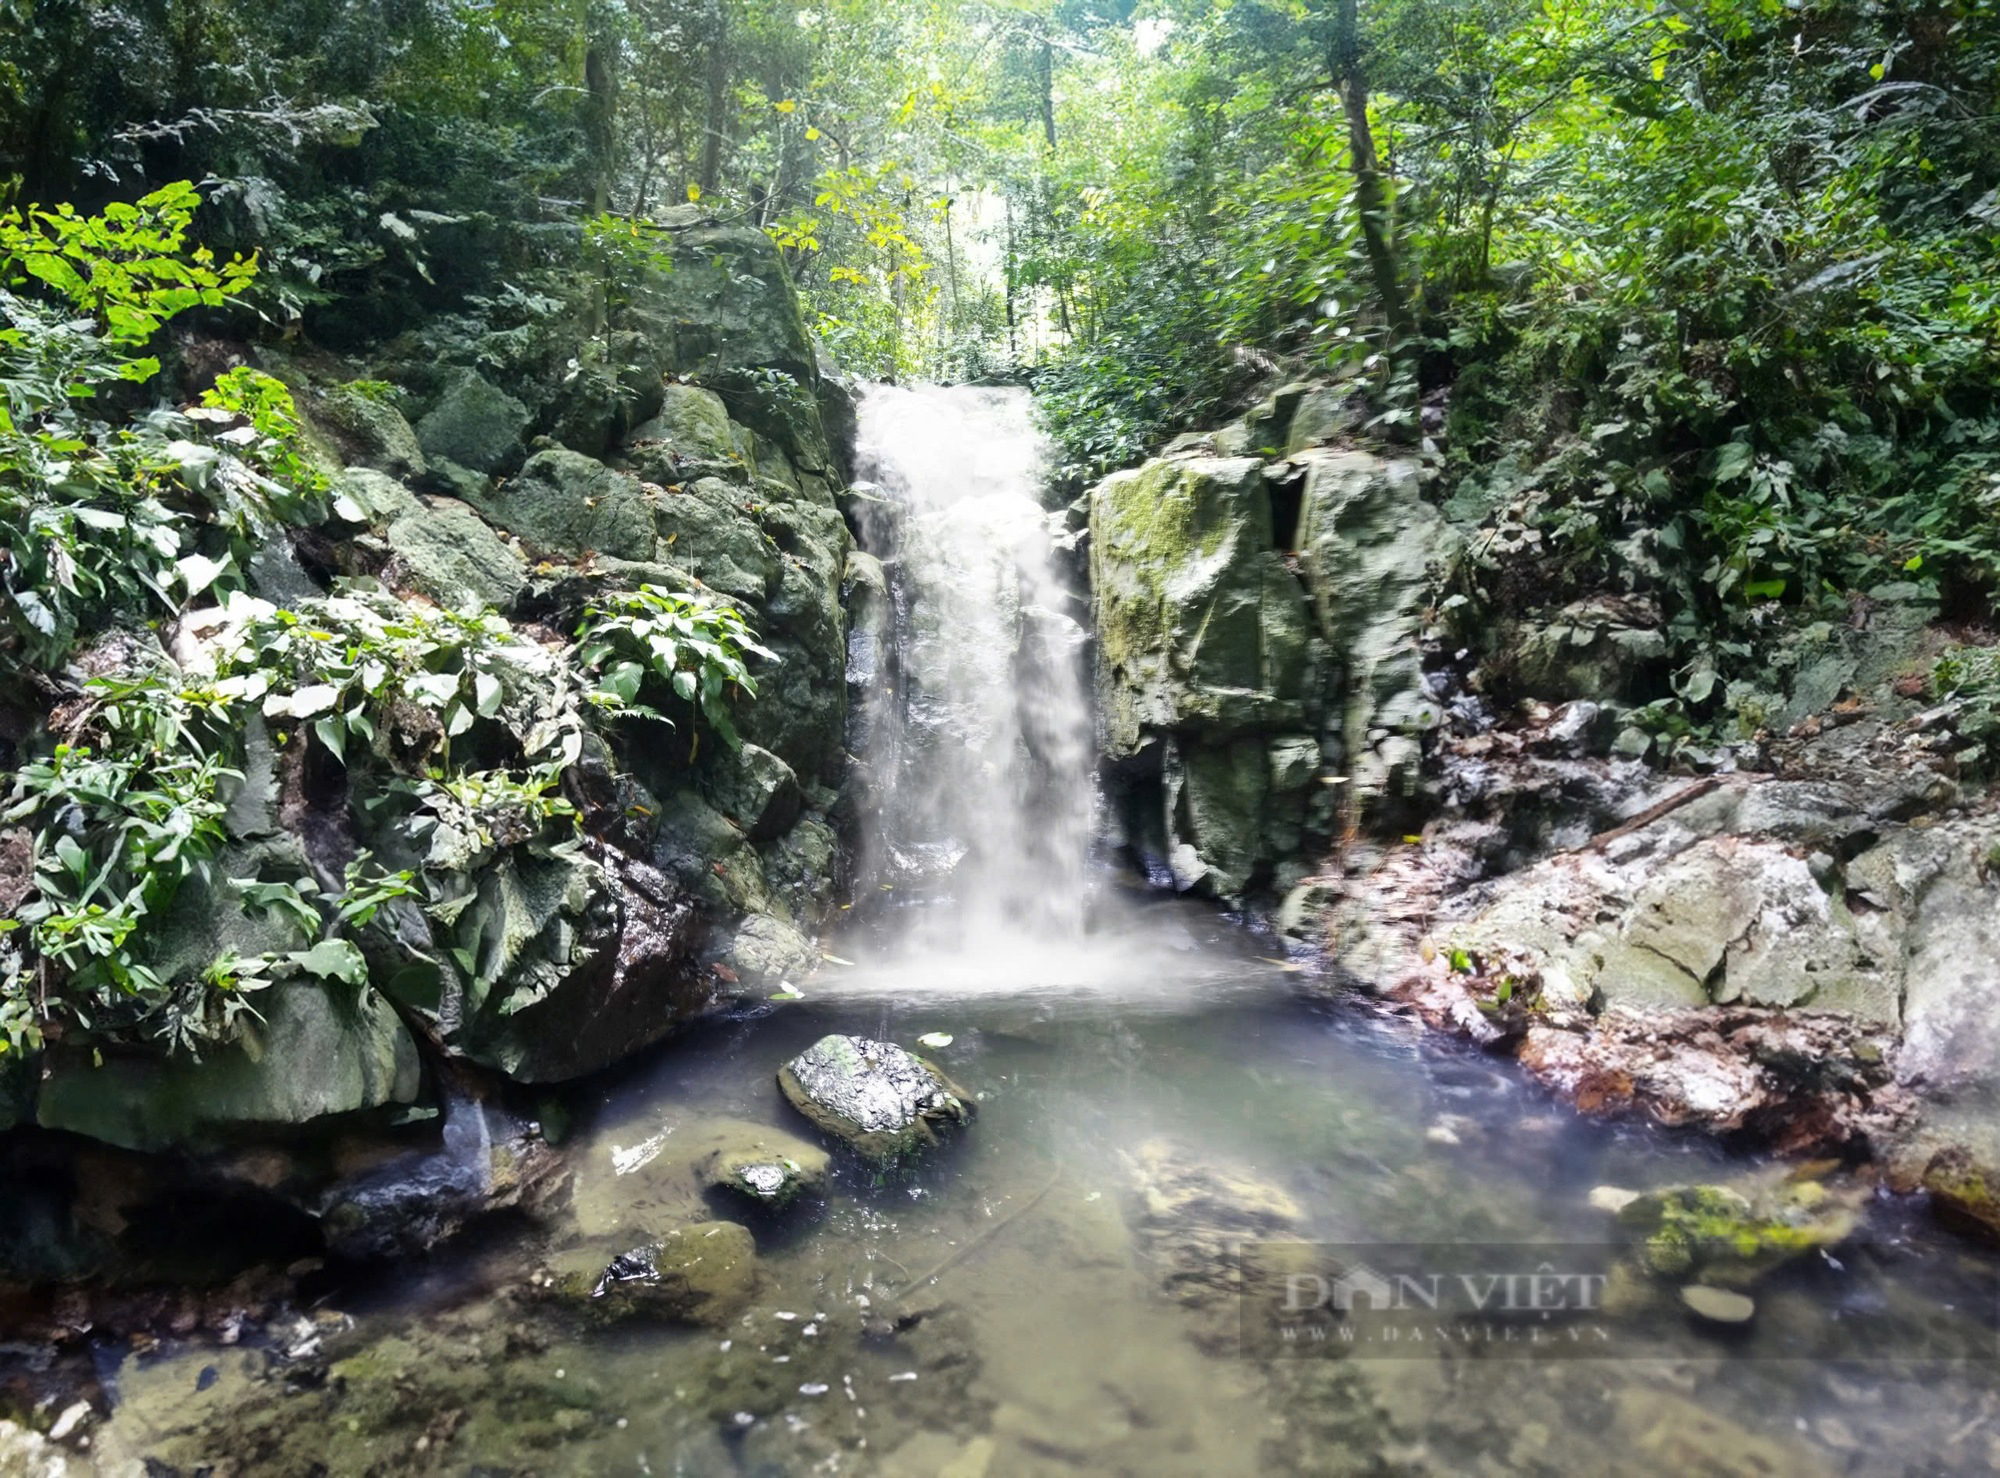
(486, 1161)
(881, 1101)
(318, 1055)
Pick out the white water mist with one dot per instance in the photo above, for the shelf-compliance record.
(979, 725)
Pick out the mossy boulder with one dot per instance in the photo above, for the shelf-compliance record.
(372, 433)
(322, 1050)
(563, 504)
(692, 427)
(1200, 625)
(375, 499)
(615, 385)
(704, 1273)
(1721, 1237)
(884, 1103)
(475, 424)
(755, 789)
(802, 867)
(766, 1168)
(449, 554)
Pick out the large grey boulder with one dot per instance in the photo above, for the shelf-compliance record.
(882, 1102)
(475, 424)
(1200, 626)
(566, 505)
(447, 553)
(1372, 552)
(728, 304)
(1205, 651)
(323, 1049)
(372, 432)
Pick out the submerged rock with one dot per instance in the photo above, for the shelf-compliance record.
(767, 1167)
(1718, 1305)
(1728, 1238)
(700, 1274)
(1190, 1218)
(876, 1098)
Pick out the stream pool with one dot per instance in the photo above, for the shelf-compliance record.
(1049, 1294)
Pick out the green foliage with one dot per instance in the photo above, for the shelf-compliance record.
(1968, 679)
(101, 517)
(129, 268)
(650, 642)
(364, 671)
(273, 441)
(122, 813)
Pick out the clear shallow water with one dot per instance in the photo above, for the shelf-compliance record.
(1051, 1339)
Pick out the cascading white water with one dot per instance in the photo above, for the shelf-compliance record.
(979, 725)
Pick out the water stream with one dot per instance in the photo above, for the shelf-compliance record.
(1049, 1295)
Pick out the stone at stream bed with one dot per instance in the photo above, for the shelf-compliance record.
(1718, 1305)
(768, 1167)
(1731, 1239)
(881, 1101)
(26, 1454)
(705, 1273)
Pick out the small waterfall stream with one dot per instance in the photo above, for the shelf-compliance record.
(977, 723)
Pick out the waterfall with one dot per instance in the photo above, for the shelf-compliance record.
(974, 723)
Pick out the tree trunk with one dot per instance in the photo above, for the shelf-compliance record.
(1370, 199)
(600, 112)
(1048, 70)
(718, 103)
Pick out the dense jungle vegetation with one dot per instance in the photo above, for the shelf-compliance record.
(1694, 300)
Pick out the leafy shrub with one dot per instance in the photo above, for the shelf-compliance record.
(651, 639)
(122, 814)
(99, 517)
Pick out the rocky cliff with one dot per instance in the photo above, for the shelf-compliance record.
(1260, 682)
(678, 436)
(1791, 941)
